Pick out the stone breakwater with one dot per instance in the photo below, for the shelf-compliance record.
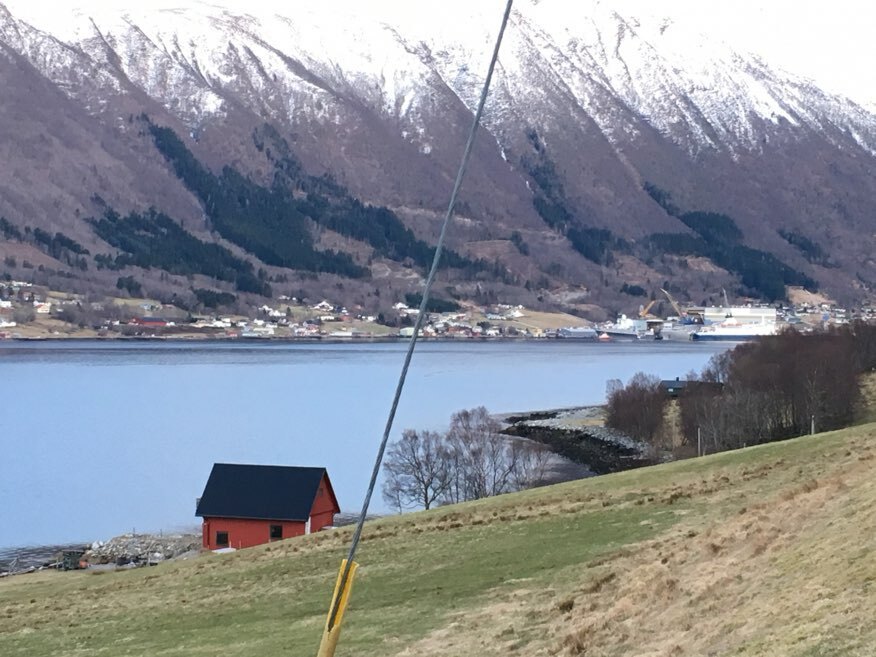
(127, 550)
(140, 549)
(579, 435)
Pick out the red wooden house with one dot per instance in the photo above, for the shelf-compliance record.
(246, 505)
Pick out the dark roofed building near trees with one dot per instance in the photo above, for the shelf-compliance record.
(246, 505)
(679, 387)
(673, 388)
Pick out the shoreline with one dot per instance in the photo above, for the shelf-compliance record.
(325, 339)
(39, 557)
(21, 353)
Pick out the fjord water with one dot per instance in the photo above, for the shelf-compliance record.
(102, 438)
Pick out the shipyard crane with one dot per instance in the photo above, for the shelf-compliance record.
(644, 310)
(727, 310)
(678, 309)
(683, 315)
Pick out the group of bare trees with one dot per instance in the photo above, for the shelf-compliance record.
(778, 388)
(470, 461)
(636, 408)
(774, 388)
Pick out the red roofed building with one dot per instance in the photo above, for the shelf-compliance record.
(153, 322)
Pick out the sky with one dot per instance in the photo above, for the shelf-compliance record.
(833, 42)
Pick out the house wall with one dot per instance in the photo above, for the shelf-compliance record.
(245, 533)
(322, 513)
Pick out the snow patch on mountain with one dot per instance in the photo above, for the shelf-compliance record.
(616, 64)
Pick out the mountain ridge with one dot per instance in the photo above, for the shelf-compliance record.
(380, 99)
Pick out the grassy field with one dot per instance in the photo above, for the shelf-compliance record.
(763, 551)
(868, 398)
(535, 320)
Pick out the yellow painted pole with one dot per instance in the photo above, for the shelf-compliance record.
(331, 635)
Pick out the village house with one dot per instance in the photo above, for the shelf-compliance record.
(272, 312)
(247, 505)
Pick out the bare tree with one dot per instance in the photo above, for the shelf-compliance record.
(472, 460)
(532, 463)
(637, 408)
(416, 470)
(482, 460)
(718, 369)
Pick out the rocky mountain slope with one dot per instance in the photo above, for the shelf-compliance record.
(605, 126)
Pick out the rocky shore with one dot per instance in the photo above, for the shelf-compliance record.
(125, 551)
(142, 549)
(580, 436)
(128, 550)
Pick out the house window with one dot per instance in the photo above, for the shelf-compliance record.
(276, 532)
(222, 539)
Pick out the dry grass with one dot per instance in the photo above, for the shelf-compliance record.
(44, 326)
(776, 577)
(786, 574)
(779, 578)
(765, 551)
(534, 319)
(867, 411)
(799, 296)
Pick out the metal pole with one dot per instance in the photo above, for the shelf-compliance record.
(812, 425)
(699, 442)
(357, 533)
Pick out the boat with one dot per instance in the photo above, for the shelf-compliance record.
(604, 337)
(577, 332)
(734, 330)
(626, 328)
(679, 330)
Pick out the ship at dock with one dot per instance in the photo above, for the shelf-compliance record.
(577, 333)
(628, 328)
(730, 323)
(734, 330)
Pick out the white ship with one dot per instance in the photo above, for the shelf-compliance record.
(627, 328)
(732, 329)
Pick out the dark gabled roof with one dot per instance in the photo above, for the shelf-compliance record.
(678, 387)
(266, 492)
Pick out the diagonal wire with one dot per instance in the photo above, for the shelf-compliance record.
(421, 315)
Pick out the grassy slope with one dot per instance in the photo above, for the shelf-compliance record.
(867, 411)
(767, 550)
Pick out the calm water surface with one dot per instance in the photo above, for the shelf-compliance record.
(97, 439)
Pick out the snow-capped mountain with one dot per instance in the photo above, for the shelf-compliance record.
(197, 58)
(608, 95)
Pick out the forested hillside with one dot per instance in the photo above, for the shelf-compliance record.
(320, 147)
